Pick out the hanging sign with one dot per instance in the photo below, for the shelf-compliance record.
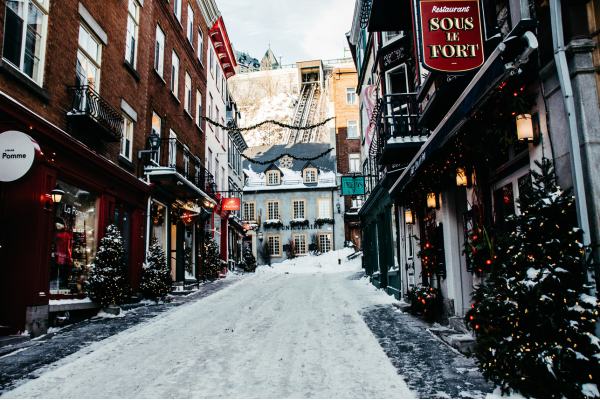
(230, 204)
(353, 185)
(17, 153)
(451, 35)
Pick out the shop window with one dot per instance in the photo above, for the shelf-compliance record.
(74, 242)
(158, 220)
(300, 244)
(122, 220)
(25, 27)
(189, 261)
(324, 242)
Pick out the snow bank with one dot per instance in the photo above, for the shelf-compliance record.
(325, 263)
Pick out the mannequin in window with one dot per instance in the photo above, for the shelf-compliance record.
(63, 251)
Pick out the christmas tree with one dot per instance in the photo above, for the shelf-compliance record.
(211, 258)
(534, 317)
(107, 283)
(156, 275)
(249, 260)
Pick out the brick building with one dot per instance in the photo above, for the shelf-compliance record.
(345, 101)
(92, 84)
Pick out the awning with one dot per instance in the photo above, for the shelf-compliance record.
(488, 77)
(176, 184)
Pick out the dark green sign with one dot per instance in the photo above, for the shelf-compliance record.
(353, 185)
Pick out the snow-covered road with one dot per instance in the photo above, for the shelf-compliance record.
(273, 334)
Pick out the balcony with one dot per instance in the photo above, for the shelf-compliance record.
(93, 116)
(179, 172)
(386, 15)
(398, 136)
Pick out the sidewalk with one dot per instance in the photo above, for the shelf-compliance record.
(19, 359)
(430, 367)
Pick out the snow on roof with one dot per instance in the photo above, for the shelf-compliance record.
(290, 179)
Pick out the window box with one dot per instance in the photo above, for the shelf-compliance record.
(323, 221)
(273, 223)
(299, 222)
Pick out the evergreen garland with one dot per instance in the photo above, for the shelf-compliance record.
(233, 128)
(271, 161)
(156, 274)
(533, 317)
(107, 283)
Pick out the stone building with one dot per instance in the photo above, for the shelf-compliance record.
(292, 204)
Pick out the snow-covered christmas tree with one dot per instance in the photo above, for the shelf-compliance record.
(534, 317)
(107, 283)
(249, 259)
(156, 275)
(211, 262)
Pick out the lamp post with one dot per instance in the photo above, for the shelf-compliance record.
(57, 194)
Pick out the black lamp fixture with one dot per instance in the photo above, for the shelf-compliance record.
(57, 194)
(339, 207)
(154, 140)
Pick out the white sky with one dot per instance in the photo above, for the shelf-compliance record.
(296, 29)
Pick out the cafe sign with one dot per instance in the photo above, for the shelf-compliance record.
(17, 153)
(451, 35)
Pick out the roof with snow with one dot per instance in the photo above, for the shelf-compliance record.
(290, 167)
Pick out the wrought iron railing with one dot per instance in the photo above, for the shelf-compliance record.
(86, 101)
(174, 154)
(397, 119)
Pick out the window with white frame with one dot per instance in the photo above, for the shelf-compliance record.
(190, 24)
(133, 23)
(172, 148)
(177, 9)
(198, 108)
(354, 162)
(89, 55)
(324, 208)
(350, 96)
(127, 138)
(249, 211)
(324, 242)
(159, 51)
(210, 108)
(357, 202)
(273, 209)
(200, 46)
(299, 207)
(300, 244)
(175, 74)
(156, 127)
(25, 30)
(310, 175)
(352, 129)
(391, 36)
(273, 178)
(187, 96)
(186, 160)
(274, 245)
(211, 60)
(218, 78)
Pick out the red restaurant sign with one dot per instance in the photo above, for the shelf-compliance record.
(230, 204)
(451, 32)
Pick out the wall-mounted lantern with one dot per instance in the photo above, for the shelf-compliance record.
(432, 200)
(525, 131)
(57, 194)
(462, 179)
(409, 218)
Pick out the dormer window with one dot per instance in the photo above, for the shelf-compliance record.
(273, 178)
(310, 175)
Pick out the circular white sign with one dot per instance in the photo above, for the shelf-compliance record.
(17, 152)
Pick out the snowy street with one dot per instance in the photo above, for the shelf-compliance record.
(288, 331)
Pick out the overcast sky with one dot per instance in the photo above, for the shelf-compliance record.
(296, 29)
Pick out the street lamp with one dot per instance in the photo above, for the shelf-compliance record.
(409, 218)
(57, 194)
(461, 177)
(432, 200)
(154, 140)
(525, 128)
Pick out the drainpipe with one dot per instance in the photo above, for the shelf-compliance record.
(562, 68)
